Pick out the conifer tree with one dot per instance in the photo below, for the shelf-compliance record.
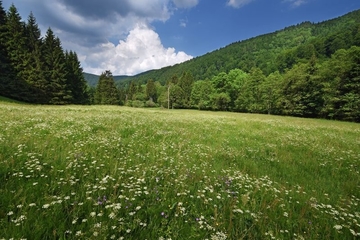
(151, 90)
(131, 91)
(55, 70)
(106, 91)
(185, 83)
(5, 67)
(34, 64)
(75, 79)
(16, 50)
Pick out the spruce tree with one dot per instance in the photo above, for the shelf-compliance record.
(55, 70)
(131, 91)
(16, 49)
(5, 67)
(151, 90)
(34, 74)
(75, 79)
(106, 91)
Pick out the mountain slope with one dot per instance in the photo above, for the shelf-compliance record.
(269, 52)
(93, 79)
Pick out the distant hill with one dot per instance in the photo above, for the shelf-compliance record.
(92, 79)
(269, 52)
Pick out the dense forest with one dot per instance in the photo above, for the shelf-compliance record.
(307, 70)
(35, 69)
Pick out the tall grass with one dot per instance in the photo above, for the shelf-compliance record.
(102, 172)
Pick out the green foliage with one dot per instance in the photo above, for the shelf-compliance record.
(151, 92)
(75, 79)
(106, 91)
(342, 90)
(35, 69)
(55, 70)
(220, 101)
(250, 98)
(185, 83)
(5, 66)
(201, 95)
(302, 92)
(270, 92)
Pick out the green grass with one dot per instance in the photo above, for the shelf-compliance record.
(103, 172)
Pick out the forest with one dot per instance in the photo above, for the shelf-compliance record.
(307, 70)
(35, 69)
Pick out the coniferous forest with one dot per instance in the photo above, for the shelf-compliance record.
(307, 70)
(36, 69)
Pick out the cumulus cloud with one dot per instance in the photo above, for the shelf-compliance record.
(92, 27)
(142, 50)
(238, 3)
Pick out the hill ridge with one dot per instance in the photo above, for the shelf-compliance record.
(258, 51)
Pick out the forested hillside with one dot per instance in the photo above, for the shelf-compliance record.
(308, 70)
(92, 79)
(270, 52)
(35, 69)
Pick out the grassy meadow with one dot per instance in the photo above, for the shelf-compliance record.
(109, 172)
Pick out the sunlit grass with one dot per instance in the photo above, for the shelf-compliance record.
(102, 172)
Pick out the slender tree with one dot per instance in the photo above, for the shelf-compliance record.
(5, 66)
(17, 51)
(75, 79)
(55, 70)
(34, 64)
(151, 90)
(185, 83)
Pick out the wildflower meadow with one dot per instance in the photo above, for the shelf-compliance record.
(109, 172)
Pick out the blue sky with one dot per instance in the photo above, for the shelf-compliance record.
(132, 36)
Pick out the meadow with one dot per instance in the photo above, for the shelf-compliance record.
(109, 172)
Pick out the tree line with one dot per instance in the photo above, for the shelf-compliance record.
(318, 89)
(36, 69)
(307, 70)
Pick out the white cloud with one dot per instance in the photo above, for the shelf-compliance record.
(142, 50)
(91, 27)
(183, 22)
(295, 3)
(238, 3)
(186, 3)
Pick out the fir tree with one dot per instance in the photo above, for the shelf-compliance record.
(75, 79)
(151, 90)
(5, 67)
(34, 64)
(106, 91)
(55, 70)
(16, 51)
